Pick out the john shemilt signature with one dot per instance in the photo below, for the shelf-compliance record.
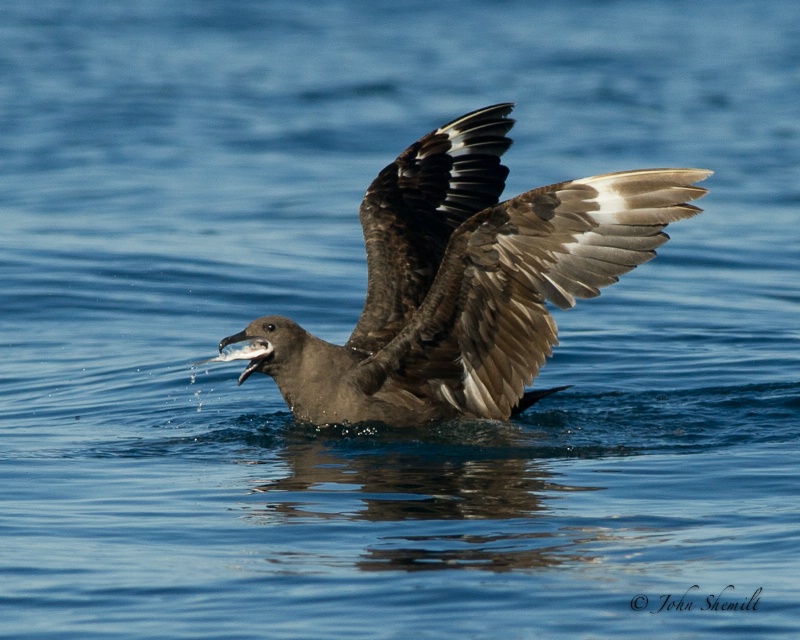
(724, 601)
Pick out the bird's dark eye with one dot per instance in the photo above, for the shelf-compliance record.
(269, 327)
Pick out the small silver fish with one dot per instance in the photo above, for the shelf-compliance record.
(242, 351)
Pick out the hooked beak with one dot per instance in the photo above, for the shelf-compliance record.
(254, 350)
(237, 337)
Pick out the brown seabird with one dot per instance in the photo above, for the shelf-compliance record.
(455, 324)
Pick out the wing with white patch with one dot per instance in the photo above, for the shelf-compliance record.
(485, 315)
(412, 208)
(604, 226)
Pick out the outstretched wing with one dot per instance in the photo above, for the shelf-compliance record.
(412, 208)
(483, 332)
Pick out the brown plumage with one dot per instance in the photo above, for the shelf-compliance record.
(455, 323)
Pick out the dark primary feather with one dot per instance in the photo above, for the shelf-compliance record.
(414, 205)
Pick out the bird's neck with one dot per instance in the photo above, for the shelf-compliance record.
(313, 379)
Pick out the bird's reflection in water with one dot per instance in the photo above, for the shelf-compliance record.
(482, 490)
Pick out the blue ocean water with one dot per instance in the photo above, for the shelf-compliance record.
(171, 170)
